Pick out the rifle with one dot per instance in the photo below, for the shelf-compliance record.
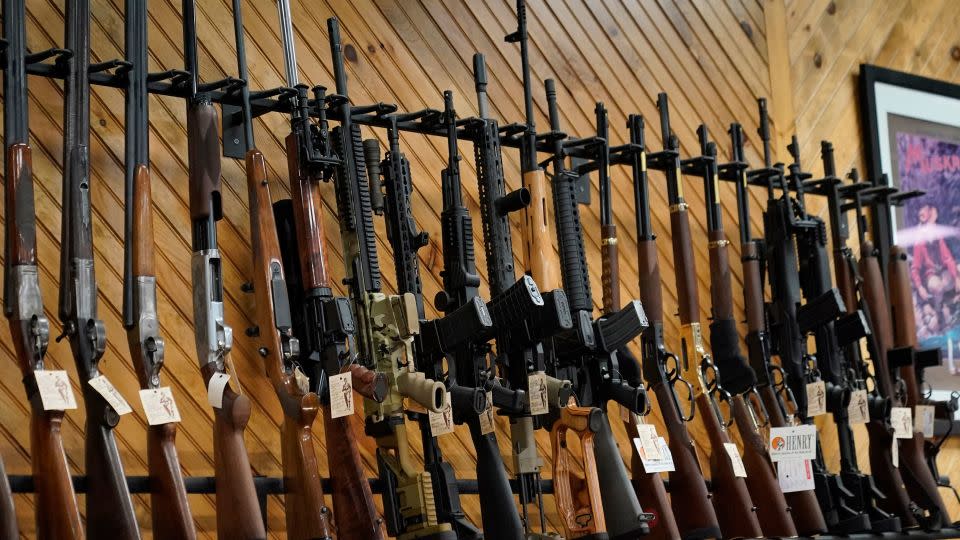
(386, 328)
(110, 511)
(464, 322)
(23, 303)
(170, 510)
(238, 509)
(307, 515)
(736, 374)
(735, 510)
(770, 382)
(520, 347)
(322, 322)
(789, 324)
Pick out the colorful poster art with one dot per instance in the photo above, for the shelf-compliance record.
(926, 157)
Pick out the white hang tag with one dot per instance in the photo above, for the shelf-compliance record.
(341, 395)
(216, 388)
(303, 382)
(487, 423)
(647, 442)
(902, 420)
(895, 453)
(537, 393)
(664, 464)
(55, 391)
(441, 422)
(159, 405)
(793, 442)
(857, 411)
(923, 420)
(105, 388)
(816, 398)
(738, 469)
(795, 475)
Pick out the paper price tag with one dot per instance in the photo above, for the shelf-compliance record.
(816, 398)
(537, 385)
(441, 422)
(857, 411)
(487, 423)
(795, 475)
(55, 391)
(795, 442)
(738, 469)
(902, 420)
(664, 464)
(341, 395)
(923, 420)
(647, 442)
(105, 388)
(216, 388)
(895, 453)
(159, 405)
(303, 382)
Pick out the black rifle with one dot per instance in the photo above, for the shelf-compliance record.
(110, 512)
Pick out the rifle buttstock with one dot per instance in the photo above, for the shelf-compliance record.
(578, 496)
(170, 511)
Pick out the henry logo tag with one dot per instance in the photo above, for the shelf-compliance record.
(795, 442)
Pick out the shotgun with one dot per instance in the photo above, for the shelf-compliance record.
(307, 515)
(23, 303)
(464, 321)
(386, 329)
(736, 374)
(169, 508)
(110, 512)
(238, 509)
(735, 509)
(520, 347)
(770, 383)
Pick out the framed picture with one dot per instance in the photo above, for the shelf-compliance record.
(912, 137)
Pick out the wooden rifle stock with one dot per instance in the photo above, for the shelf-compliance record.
(578, 498)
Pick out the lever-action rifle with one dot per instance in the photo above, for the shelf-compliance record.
(322, 322)
(110, 511)
(736, 375)
(770, 382)
(734, 507)
(307, 515)
(169, 508)
(238, 509)
(23, 303)
(386, 328)
(463, 322)
(520, 348)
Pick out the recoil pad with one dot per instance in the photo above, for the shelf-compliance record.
(558, 392)
(468, 400)
(429, 393)
(457, 327)
(735, 374)
(513, 306)
(632, 397)
(616, 330)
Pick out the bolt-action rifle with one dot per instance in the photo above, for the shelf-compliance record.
(110, 511)
(736, 374)
(23, 303)
(238, 509)
(520, 347)
(464, 321)
(732, 502)
(170, 510)
(307, 515)
(386, 328)
(322, 322)
(770, 382)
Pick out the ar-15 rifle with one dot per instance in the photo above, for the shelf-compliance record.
(520, 348)
(386, 328)
(307, 515)
(736, 375)
(170, 510)
(238, 509)
(730, 496)
(110, 511)
(770, 382)
(837, 370)
(322, 322)
(23, 303)
(789, 326)
(465, 321)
